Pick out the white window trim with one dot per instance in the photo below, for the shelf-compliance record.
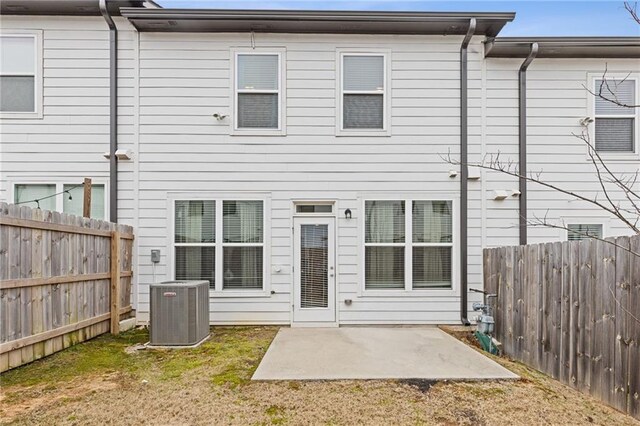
(408, 290)
(614, 156)
(386, 93)
(60, 195)
(597, 220)
(37, 35)
(282, 105)
(219, 292)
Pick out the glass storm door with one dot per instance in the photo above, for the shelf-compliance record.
(314, 270)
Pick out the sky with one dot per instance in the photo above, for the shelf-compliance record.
(533, 18)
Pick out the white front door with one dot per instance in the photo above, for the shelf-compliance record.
(314, 270)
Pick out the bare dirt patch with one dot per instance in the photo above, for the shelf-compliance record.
(210, 385)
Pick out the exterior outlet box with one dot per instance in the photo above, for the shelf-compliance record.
(155, 256)
(179, 313)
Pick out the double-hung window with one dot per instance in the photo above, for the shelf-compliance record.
(258, 92)
(363, 93)
(62, 197)
(20, 75)
(408, 244)
(615, 116)
(221, 241)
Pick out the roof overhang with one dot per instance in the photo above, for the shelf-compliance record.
(68, 7)
(564, 47)
(303, 21)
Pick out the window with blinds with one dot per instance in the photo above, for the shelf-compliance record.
(408, 249)
(257, 91)
(578, 232)
(227, 251)
(363, 92)
(314, 261)
(194, 239)
(432, 244)
(384, 241)
(242, 224)
(615, 118)
(18, 73)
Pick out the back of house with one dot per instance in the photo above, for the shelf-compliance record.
(311, 165)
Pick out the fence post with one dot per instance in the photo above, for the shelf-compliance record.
(115, 282)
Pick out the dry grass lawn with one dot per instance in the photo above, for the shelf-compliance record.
(98, 382)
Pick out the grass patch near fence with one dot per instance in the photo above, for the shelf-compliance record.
(98, 356)
(101, 382)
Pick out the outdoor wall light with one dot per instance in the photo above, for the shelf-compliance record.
(347, 214)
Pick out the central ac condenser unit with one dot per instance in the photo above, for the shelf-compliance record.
(179, 313)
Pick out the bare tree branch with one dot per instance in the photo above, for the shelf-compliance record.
(608, 93)
(633, 10)
(496, 164)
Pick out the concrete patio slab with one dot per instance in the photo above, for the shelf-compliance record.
(374, 353)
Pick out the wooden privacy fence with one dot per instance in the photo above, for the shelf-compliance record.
(63, 279)
(572, 311)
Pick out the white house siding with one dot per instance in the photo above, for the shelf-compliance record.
(170, 85)
(68, 142)
(556, 102)
(185, 78)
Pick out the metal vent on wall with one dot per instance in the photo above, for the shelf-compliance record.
(314, 252)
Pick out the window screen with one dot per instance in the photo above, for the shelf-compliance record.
(363, 89)
(258, 94)
(578, 232)
(17, 73)
(614, 122)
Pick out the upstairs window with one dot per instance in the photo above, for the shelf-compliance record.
(363, 90)
(578, 232)
(19, 74)
(615, 124)
(258, 91)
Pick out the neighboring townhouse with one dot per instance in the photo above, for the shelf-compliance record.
(295, 158)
